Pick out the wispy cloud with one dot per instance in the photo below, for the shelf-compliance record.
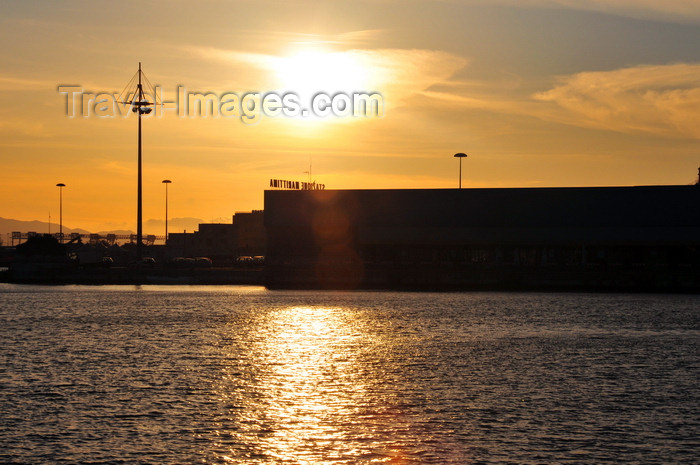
(683, 11)
(671, 10)
(24, 127)
(14, 84)
(404, 73)
(655, 99)
(351, 39)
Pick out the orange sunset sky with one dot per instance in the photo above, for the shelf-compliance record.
(537, 92)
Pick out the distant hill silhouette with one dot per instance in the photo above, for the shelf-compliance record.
(7, 226)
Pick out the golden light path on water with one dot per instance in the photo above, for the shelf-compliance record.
(310, 389)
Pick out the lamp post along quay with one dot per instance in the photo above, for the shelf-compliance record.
(60, 186)
(134, 95)
(460, 156)
(166, 182)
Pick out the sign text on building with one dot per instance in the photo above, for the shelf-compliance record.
(297, 185)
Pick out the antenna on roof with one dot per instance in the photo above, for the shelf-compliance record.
(309, 172)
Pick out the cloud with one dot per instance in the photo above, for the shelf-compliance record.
(669, 10)
(661, 100)
(682, 11)
(24, 127)
(402, 74)
(14, 84)
(344, 39)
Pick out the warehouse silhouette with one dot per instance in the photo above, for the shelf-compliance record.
(590, 238)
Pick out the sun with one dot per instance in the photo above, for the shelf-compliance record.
(331, 86)
(309, 72)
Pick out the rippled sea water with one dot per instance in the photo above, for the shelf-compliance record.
(243, 375)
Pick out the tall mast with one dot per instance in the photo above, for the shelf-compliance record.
(136, 98)
(139, 207)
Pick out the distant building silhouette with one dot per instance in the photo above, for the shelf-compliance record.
(222, 242)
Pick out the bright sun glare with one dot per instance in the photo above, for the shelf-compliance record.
(310, 72)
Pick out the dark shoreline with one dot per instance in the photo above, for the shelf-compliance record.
(415, 280)
(499, 280)
(108, 276)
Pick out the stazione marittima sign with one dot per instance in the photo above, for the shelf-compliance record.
(296, 185)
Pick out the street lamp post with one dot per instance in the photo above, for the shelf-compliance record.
(166, 182)
(460, 156)
(60, 186)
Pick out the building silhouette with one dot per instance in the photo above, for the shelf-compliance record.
(223, 243)
(629, 238)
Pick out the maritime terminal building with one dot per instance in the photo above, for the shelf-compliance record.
(601, 238)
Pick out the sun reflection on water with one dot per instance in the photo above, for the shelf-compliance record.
(303, 392)
(310, 383)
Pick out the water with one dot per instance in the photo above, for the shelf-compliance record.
(243, 375)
